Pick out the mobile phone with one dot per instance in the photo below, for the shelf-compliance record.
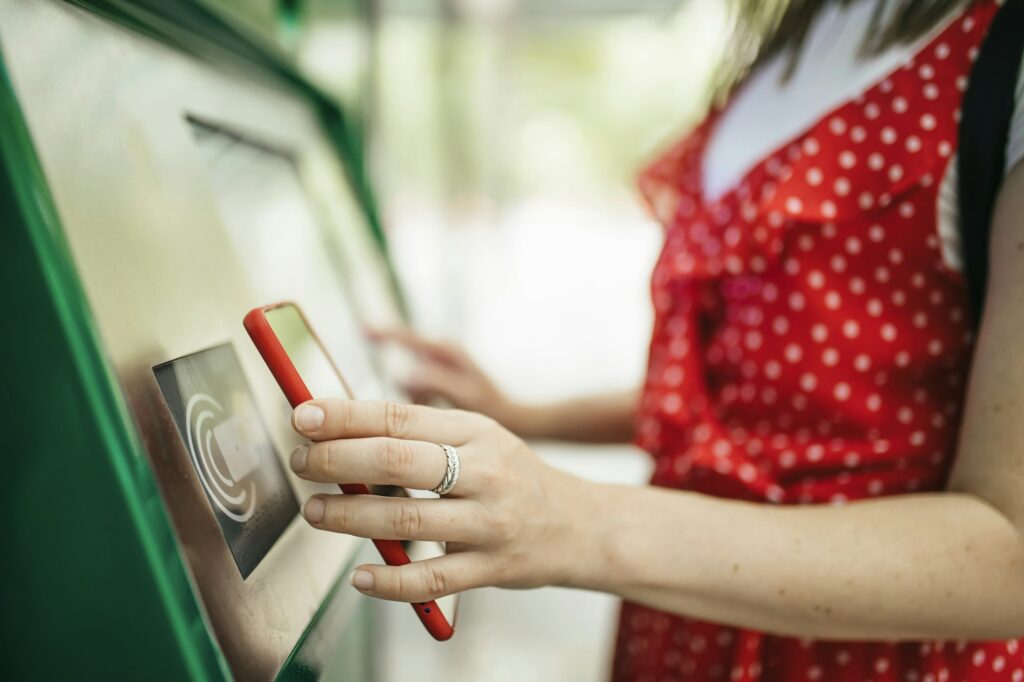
(304, 370)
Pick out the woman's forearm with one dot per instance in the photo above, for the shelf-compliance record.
(942, 565)
(606, 418)
(910, 567)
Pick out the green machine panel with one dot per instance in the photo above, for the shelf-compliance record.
(160, 174)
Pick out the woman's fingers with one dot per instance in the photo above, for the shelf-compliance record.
(434, 379)
(329, 419)
(388, 518)
(422, 581)
(382, 461)
(437, 351)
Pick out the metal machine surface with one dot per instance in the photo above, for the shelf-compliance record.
(189, 192)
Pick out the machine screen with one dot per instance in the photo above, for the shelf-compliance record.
(230, 451)
(273, 224)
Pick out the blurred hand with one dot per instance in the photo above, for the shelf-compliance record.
(510, 520)
(445, 371)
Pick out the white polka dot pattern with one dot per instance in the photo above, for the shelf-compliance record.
(810, 347)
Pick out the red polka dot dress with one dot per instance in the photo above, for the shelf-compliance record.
(811, 346)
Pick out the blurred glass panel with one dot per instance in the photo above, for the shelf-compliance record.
(482, 114)
(333, 48)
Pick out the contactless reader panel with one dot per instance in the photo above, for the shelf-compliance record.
(229, 450)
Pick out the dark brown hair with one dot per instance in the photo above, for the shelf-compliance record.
(766, 28)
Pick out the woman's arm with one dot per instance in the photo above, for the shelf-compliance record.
(915, 566)
(448, 373)
(604, 418)
(912, 567)
(942, 565)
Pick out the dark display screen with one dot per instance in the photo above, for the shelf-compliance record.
(230, 451)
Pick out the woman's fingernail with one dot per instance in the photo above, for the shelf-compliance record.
(299, 457)
(362, 580)
(314, 510)
(309, 417)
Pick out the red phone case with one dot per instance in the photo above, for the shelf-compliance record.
(269, 346)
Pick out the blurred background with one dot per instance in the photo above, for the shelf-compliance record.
(502, 138)
(509, 136)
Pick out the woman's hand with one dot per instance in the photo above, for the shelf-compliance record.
(447, 372)
(510, 521)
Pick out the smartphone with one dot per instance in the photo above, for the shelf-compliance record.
(303, 369)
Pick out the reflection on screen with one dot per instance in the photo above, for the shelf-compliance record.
(324, 380)
(304, 349)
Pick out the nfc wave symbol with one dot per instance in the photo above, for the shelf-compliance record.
(236, 441)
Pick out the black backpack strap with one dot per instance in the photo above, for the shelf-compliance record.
(987, 113)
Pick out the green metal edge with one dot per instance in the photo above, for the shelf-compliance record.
(111, 415)
(195, 29)
(295, 669)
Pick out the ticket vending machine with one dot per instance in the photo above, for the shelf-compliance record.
(161, 173)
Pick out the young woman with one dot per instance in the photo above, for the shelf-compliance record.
(831, 500)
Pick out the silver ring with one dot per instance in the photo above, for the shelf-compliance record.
(451, 472)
